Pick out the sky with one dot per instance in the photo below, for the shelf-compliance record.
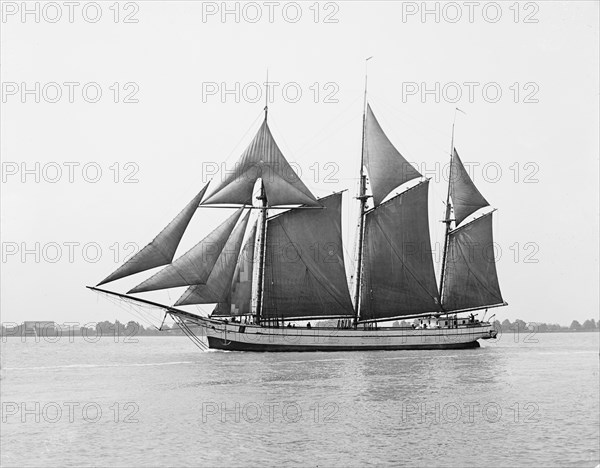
(87, 177)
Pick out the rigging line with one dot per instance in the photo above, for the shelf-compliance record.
(323, 281)
(235, 148)
(316, 144)
(183, 326)
(122, 303)
(140, 315)
(311, 139)
(436, 299)
(163, 322)
(473, 273)
(410, 152)
(191, 334)
(346, 253)
(310, 143)
(280, 137)
(398, 110)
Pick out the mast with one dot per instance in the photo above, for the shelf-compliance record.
(362, 198)
(263, 226)
(447, 219)
(261, 248)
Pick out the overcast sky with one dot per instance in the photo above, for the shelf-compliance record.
(532, 150)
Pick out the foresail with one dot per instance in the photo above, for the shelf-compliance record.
(162, 249)
(398, 272)
(195, 265)
(471, 279)
(218, 285)
(466, 199)
(305, 274)
(239, 299)
(386, 167)
(262, 159)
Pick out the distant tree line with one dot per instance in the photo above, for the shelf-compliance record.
(90, 330)
(541, 327)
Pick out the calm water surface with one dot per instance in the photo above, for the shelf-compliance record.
(160, 401)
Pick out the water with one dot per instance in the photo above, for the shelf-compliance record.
(160, 401)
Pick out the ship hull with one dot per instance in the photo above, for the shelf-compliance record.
(240, 337)
(218, 343)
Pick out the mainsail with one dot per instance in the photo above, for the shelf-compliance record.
(218, 285)
(386, 167)
(471, 279)
(262, 159)
(398, 272)
(162, 249)
(466, 198)
(239, 299)
(195, 266)
(305, 274)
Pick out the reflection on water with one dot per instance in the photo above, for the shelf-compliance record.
(160, 401)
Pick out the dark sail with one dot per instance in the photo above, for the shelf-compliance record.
(195, 266)
(386, 167)
(262, 159)
(471, 280)
(466, 199)
(218, 285)
(239, 300)
(162, 249)
(398, 273)
(305, 274)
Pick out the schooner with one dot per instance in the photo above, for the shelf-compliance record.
(270, 277)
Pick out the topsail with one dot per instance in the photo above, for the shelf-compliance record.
(262, 159)
(466, 199)
(387, 168)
